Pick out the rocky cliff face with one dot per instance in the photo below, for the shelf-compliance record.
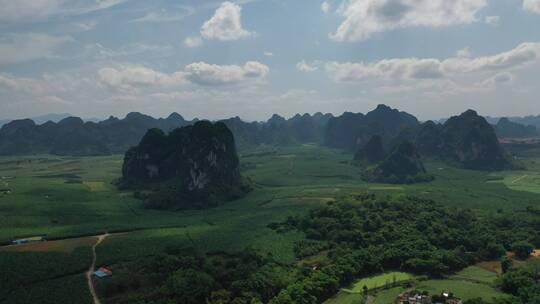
(467, 139)
(471, 140)
(429, 141)
(190, 168)
(372, 152)
(402, 166)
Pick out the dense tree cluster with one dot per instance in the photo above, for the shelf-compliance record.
(190, 277)
(522, 283)
(348, 240)
(373, 235)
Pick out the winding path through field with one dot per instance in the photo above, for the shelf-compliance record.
(92, 267)
(519, 178)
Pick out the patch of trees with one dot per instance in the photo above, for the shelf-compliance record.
(184, 275)
(347, 240)
(522, 283)
(371, 235)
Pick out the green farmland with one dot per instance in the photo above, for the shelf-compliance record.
(379, 281)
(66, 197)
(472, 282)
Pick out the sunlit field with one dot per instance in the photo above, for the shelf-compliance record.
(74, 197)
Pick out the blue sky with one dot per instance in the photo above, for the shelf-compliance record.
(216, 59)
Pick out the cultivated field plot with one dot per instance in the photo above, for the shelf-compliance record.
(346, 298)
(379, 281)
(67, 197)
(463, 289)
(471, 282)
(528, 181)
(476, 274)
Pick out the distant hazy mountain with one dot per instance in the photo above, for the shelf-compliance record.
(280, 131)
(512, 127)
(509, 129)
(353, 130)
(54, 117)
(73, 136)
(467, 139)
(523, 120)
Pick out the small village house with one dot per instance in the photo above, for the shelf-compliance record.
(103, 272)
(28, 240)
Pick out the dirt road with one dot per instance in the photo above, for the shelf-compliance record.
(90, 271)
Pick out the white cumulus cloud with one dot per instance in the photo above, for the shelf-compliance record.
(387, 69)
(226, 24)
(532, 5)
(203, 73)
(198, 73)
(366, 17)
(303, 66)
(137, 76)
(403, 69)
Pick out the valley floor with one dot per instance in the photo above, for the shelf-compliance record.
(73, 198)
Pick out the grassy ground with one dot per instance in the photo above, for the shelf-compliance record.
(379, 281)
(74, 196)
(476, 274)
(462, 289)
(346, 298)
(71, 289)
(471, 282)
(388, 296)
(67, 196)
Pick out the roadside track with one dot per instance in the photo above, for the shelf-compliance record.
(91, 270)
